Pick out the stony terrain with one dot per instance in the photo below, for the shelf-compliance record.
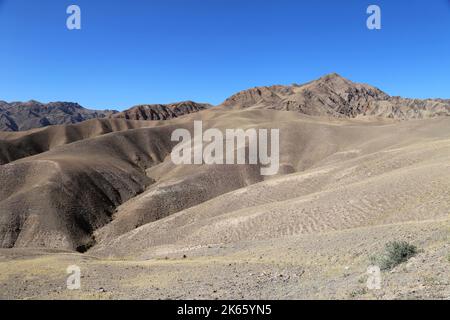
(105, 195)
(321, 266)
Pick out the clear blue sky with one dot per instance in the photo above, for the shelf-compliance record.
(159, 51)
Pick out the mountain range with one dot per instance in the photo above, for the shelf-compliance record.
(358, 169)
(331, 95)
(21, 116)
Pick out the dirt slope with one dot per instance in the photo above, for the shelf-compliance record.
(58, 198)
(17, 145)
(334, 174)
(365, 174)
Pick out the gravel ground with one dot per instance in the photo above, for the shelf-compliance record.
(321, 266)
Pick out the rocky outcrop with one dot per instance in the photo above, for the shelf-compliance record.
(161, 111)
(333, 95)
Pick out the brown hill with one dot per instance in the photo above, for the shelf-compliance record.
(17, 145)
(58, 198)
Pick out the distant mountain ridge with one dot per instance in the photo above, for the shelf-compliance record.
(335, 96)
(21, 116)
(161, 111)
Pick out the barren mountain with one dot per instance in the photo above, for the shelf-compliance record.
(20, 116)
(351, 178)
(345, 187)
(126, 179)
(333, 95)
(161, 111)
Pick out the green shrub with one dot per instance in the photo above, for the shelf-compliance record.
(396, 252)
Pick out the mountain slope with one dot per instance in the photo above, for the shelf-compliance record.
(335, 96)
(58, 198)
(20, 116)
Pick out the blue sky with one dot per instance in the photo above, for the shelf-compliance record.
(160, 51)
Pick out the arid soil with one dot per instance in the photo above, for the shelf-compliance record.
(321, 266)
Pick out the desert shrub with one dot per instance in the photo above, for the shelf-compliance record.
(358, 292)
(395, 253)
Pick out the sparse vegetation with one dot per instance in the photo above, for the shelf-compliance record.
(358, 292)
(396, 252)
